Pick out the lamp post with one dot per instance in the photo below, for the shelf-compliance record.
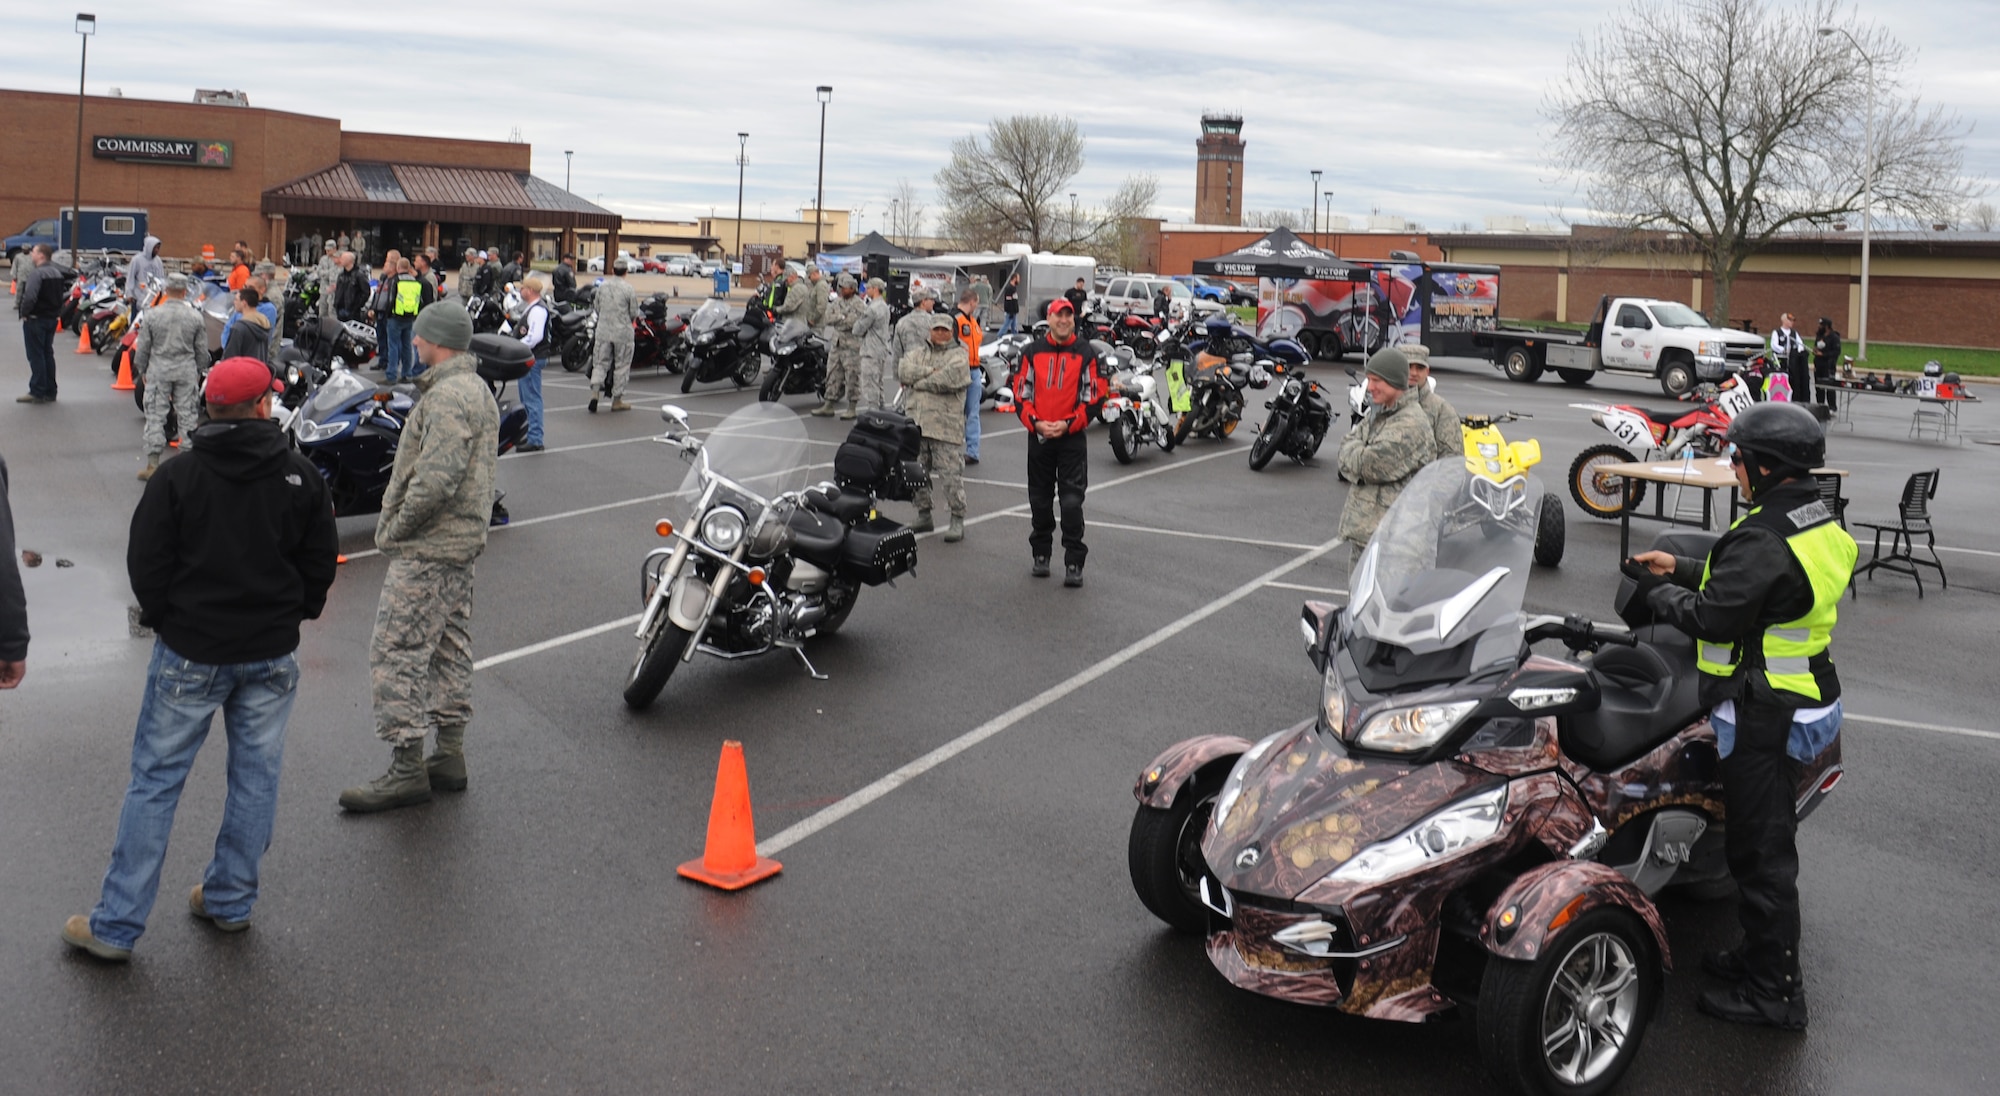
(1329, 212)
(893, 222)
(1313, 209)
(86, 25)
(567, 153)
(1867, 184)
(1072, 216)
(825, 93)
(742, 158)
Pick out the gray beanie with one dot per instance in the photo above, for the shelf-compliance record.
(1387, 363)
(446, 324)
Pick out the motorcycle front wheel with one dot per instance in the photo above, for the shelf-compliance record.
(1183, 425)
(1163, 855)
(1599, 495)
(746, 372)
(1124, 439)
(1269, 441)
(658, 657)
(773, 386)
(687, 381)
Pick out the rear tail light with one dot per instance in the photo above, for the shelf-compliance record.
(1832, 779)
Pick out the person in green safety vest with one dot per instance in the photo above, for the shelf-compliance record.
(1761, 609)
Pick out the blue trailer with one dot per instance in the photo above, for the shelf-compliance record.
(107, 229)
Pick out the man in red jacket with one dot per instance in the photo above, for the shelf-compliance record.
(1056, 389)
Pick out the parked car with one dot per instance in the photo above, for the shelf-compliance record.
(40, 232)
(707, 268)
(1106, 273)
(596, 264)
(653, 264)
(681, 265)
(1216, 289)
(1135, 294)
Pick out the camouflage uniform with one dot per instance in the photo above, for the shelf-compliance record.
(913, 331)
(937, 377)
(433, 526)
(617, 306)
(843, 378)
(798, 302)
(170, 352)
(878, 354)
(324, 275)
(816, 301)
(1444, 423)
(1378, 456)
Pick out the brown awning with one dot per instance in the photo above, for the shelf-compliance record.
(424, 192)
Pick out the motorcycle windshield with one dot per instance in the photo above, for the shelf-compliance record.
(792, 333)
(761, 447)
(1449, 562)
(343, 385)
(711, 316)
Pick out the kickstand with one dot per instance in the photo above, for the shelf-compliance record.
(807, 663)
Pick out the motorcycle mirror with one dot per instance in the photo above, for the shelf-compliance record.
(1316, 620)
(673, 414)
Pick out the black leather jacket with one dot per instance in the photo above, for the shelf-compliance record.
(563, 282)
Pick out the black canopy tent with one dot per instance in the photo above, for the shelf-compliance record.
(1281, 254)
(872, 244)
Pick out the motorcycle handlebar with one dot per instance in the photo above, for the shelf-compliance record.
(1578, 633)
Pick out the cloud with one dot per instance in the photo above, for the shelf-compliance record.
(1429, 110)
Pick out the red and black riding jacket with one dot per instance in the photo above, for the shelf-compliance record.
(1058, 382)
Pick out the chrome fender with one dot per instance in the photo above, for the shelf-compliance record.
(1177, 766)
(1545, 899)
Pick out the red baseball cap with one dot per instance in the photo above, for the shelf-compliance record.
(239, 380)
(1061, 304)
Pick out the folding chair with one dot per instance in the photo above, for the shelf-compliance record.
(1829, 493)
(1931, 421)
(1913, 520)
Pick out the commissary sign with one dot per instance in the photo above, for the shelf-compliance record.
(163, 150)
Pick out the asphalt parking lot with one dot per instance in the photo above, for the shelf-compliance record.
(970, 927)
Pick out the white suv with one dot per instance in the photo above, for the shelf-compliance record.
(1135, 294)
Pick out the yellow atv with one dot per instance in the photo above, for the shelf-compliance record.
(1493, 458)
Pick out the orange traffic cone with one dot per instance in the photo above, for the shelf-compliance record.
(730, 861)
(342, 558)
(124, 381)
(83, 339)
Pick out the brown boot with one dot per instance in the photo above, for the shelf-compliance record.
(152, 466)
(620, 405)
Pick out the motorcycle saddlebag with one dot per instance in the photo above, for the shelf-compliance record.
(878, 550)
(878, 444)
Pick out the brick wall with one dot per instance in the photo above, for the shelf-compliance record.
(401, 148)
(1934, 311)
(1528, 292)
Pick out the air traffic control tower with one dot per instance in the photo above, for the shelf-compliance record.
(1218, 179)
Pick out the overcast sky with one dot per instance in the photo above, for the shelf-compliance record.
(1423, 110)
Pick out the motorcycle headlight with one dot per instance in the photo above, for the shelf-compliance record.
(1407, 730)
(723, 528)
(1464, 825)
(312, 432)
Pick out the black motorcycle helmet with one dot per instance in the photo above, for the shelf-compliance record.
(1783, 436)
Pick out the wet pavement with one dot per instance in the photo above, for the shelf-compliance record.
(971, 930)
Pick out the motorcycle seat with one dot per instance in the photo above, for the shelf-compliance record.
(845, 507)
(816, 537)
(1664, 418)
(1647, 696)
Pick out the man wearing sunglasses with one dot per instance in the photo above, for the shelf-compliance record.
(1761, 609)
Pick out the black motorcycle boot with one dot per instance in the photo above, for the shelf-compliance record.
(1073, 575)
(593, 405)
(406, 784)
(446, 764)
(1040, 568)
(1746, 1004)
(1727, 964)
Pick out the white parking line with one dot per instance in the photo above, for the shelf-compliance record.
(799, 831)
(1307, 589)
(558, 641)
(1967, 732)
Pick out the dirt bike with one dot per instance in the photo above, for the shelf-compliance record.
(1645, 434)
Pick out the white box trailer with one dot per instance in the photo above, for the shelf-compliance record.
(1044, 276)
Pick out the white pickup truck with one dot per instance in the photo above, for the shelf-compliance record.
(1645, 336)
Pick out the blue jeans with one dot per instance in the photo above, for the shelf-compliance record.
(182, 697)
(1011, 324)
(40, 336)
(972, 398)
(530, 386)
(399, 358)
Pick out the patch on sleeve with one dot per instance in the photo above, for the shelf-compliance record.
(1812, 513)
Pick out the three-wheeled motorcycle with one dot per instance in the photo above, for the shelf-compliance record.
(1466, 822)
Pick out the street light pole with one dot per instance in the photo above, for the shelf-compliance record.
(86, 25)
(825, 93)
(1072, 216)
(1314, 207)
(1329, 213)
(1867, 185)
(894, 222)
(567, 153)
(742, 158)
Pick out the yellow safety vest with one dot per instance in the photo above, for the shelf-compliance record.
(409, 296)
(1793, 652)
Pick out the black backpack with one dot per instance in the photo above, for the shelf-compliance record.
(880, 456)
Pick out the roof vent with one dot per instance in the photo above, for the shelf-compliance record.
(215, 98)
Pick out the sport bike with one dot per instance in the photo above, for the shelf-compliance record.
(720, 350)
(798, 361)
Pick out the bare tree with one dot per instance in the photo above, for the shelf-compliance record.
(908, 212)
(1275, 218)
(1731, 121)
(1114, 231)
(1981, 217)
(1013, 186)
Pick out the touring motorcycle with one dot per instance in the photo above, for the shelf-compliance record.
(720, 350)
(1138, 409)
(798, 361)
(1465, 822)
(349, 426)
(763, 562)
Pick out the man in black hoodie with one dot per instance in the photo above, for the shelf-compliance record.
(230, 549)
(13, 603)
